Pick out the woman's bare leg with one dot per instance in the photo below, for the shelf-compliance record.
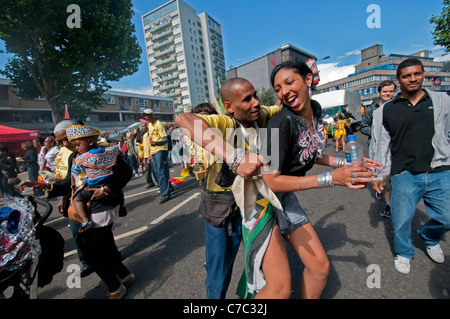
(307, 244)
(275, 266)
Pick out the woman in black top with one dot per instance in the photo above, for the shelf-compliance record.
(301, 142)
(30, 160)
(8, 166)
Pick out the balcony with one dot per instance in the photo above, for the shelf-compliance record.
(172, 94)
(167, 78)
(169, 86)
(161, 35)
(166, 61)
(161, 26)
(164, 52)
(162, 44)
(167, 70)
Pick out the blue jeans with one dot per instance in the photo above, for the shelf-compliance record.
(74, 227)
(33, 174)
(132, 161)
(148, 171)
(407, 189)
(161, 169)
(221, 251)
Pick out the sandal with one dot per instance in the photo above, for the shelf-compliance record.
(118, 294)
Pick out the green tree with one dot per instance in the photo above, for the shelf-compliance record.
(441, 33)
(64, 62)
(266, 96)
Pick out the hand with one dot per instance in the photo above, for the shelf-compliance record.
(59, 207)
(372, 165)
(353, 177)
(250, 166)
(97, 193)
(33, 185)
(378, 186)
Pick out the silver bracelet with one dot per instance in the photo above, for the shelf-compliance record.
(325, 180)
(239, 157)
(339, 162)
(230, 160)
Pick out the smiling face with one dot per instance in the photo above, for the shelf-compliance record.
(243, 104)
(292, 90)
(386, 93)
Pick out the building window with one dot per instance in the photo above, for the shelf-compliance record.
(125, 103)
(109, 99)
(141, 102)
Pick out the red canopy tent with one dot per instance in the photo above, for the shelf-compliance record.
(13, 137)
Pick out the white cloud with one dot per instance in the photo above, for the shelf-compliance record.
(354, 52)
(442, 58)
(439, 54)
(332, 71)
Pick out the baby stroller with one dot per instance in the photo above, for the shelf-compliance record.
(28, 249)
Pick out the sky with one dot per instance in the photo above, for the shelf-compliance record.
(338, 29)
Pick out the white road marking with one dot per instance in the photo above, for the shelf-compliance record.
(157, 220)
(144, 228)
(129, 196)
(130, 233)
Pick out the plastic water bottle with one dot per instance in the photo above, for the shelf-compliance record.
(354, 154)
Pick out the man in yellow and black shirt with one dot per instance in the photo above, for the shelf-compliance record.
(223, 220)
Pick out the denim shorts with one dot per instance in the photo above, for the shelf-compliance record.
(292, 216)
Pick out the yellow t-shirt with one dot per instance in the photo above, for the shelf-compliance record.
(146, 143)
(62, 162)
(156, 133)
(225, 124)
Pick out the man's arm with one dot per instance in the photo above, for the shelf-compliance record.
(366, 122)
(202, 134)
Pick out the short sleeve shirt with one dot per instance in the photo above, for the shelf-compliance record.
(156, 133)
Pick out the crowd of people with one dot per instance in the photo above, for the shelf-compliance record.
(240, 167)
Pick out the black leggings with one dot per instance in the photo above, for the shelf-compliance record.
(101, 253)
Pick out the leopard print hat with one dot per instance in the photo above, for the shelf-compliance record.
(74, 132)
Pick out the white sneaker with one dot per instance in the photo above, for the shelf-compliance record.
(402, 264)
(436, 253)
